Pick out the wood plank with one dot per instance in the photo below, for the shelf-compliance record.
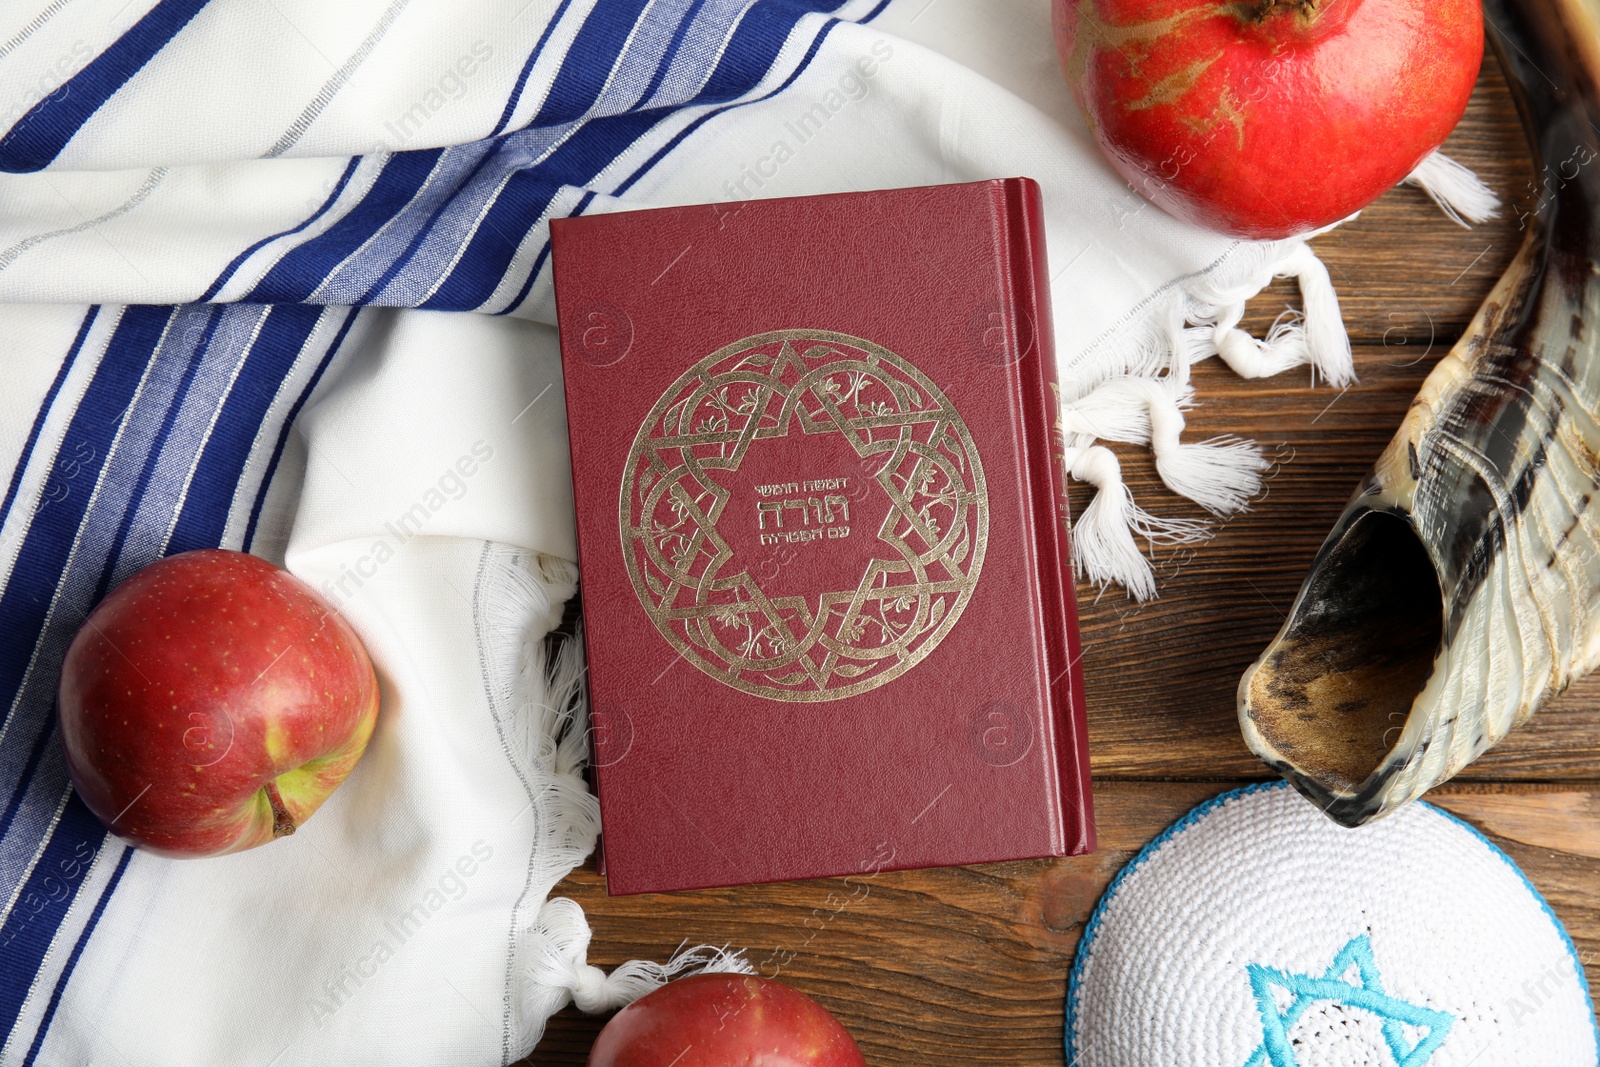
(1557, 817)
(974, 958)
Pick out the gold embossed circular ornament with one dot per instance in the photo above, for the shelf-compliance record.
(804, 515)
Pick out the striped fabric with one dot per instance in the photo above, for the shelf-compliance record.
(168, 422)
(163, 425)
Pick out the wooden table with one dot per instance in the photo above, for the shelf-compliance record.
(968, 965)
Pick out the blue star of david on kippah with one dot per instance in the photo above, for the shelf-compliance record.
(1277, 1051)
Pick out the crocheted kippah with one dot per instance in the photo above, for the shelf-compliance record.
(1255, 932)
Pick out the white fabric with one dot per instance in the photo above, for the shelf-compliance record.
(312, 932)
(1259, 881)
(236, 131)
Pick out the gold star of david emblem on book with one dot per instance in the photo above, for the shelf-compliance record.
(803, 515)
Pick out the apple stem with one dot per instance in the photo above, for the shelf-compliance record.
(282, 821)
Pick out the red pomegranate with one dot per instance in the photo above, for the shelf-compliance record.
(1269, 118)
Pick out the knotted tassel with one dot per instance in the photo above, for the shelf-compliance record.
(1220, 474)
(1284, 347)
(556, 968)
(1456, 190)
(1117, 410)
(1103, 546)
(1327, 343)
(1134, 386)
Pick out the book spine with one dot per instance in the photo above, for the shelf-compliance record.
(1034, 337)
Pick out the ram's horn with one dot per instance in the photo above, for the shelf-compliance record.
(1460, 589)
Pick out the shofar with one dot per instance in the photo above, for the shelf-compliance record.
(1460, 589)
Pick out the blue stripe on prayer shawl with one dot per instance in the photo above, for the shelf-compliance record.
(538, 264)
(527, 68)
(77, 536)
(613, 48)
(525, 197)
(51, 535)
(589, 62)
(153, 454)
(302, 270)
(760, 35)
(44, 412)
(38, 572)
(77, 951)
(210, 498)
(578, 159)
(633, 78)
(496, 240)
(678, 138)
(227, 272)
(427, 228)
(29, 769)
(351, 280)
(27, 934)
(754, 48)
(672, 51)
(288, 427)
(40, 135)
(323, 269)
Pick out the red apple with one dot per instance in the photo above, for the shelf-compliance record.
(1267, 118)
(714, 1020)
(211, 703)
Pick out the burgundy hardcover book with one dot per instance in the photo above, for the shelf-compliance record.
(822, 532)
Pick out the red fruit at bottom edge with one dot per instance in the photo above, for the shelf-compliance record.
(721, 1020)
(1267, 118)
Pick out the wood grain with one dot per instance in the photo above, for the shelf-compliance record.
(1559, 818)
(968, 958)
(969, 964)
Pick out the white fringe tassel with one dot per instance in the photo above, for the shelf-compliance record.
(558, 971)
(1327, 343)
(1456, 190)
(1285, 346)
(1103, 548)
(1134, 386)
(1221, 474)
